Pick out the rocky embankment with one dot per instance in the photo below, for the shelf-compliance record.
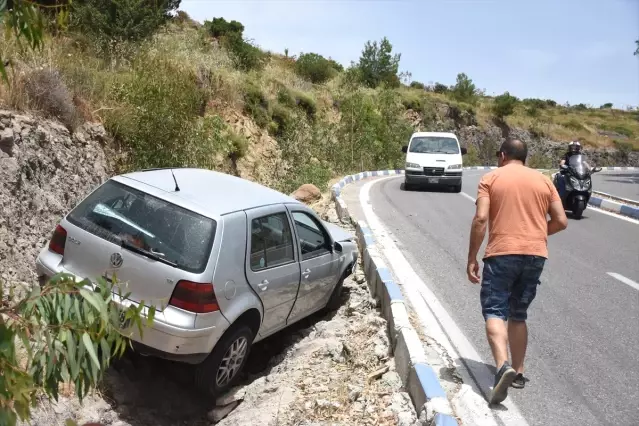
(44, 171)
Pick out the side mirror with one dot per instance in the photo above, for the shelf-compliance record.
(596, 169)
(464, 151)
(405, 149)
(338, 247)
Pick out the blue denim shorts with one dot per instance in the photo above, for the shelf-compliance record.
(509, 285)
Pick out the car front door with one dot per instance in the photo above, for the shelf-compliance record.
(319, 263)
(272, 267)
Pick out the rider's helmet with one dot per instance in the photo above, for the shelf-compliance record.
(574, 147)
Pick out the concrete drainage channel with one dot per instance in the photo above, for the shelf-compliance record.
(331, 369)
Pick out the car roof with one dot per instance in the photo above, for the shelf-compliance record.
(213, 192)
(440, 134)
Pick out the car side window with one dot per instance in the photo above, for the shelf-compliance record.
(313, 240)
(271, 242)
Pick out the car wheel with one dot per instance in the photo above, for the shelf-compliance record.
(406, 186)
(221, 369)
(335, 301)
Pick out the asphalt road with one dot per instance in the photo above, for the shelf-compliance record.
(621, 183)
(583, 354)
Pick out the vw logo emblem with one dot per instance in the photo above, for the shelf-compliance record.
(116, 260)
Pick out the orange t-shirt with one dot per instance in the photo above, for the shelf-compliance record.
(520, 198)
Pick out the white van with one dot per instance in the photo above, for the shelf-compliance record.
(433, 158)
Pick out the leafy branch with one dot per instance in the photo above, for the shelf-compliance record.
(63, 332)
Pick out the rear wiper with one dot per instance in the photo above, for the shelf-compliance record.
(127, 245)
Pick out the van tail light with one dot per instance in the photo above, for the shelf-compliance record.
(194, 297)
(58, 240)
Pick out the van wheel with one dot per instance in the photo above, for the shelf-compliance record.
(406, 186)
(221, 369)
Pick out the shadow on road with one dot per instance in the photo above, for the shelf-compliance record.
(147, 391)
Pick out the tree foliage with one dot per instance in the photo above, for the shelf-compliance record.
(245, 55)
(120, 20)
(504, 105)
(464, 90)
(315, 68)
(378, 64)
(61, 332)
(637, 49)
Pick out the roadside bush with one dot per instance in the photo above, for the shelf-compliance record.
(417, 85)
(157, 116)
(306, 103)
(532, 111)
(315, 68)
(539, 161)
(504, 105)
(607, 105)
(245, 56)
(282, 120)
(580, 107)
(619, 129)
(47, 92)
(472, 156)
(535, 103)
(624, 148)
(219, 27)
(411, 100)
(256, 105)
(285, 97)
(551, 103)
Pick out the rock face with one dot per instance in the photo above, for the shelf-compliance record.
(307, 193)
(44, 172)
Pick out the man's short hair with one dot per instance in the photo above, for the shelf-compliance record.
(514, 149)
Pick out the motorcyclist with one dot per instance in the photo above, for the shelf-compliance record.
(574, 148)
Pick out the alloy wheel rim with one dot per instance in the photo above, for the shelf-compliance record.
(231, 362)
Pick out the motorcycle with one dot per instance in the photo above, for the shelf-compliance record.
(577, 177)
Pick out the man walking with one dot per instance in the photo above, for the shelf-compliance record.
(513, 201)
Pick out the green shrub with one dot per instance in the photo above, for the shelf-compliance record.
(220, 27)
(417, 85)
(48, 93)
(315, 68)
(607, 105)
(504, 105)
(580, 107)
(282, 119)
(532, 111)
(286, 97)
(306, 103)
(412, 100)
(535, 103)
(245, 56)
(472, 156)
(120, 20)
(157, 115)
(551, 103)
(238, 145)
(539, 161)
(619, 129)
(440, 88)
(464, 90)
(256, 105)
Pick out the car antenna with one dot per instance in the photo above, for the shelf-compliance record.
(177, 188)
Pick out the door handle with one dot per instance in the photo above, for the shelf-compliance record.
(263, 285)
(306, 273)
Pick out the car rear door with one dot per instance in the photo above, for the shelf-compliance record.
(319, 263)
(272, 267)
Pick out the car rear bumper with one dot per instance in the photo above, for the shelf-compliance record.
(162, 339)
(418, 178)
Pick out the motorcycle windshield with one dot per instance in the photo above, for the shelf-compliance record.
(579, 165)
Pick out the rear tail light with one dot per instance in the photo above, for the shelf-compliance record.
(194, 297)
(58, 240)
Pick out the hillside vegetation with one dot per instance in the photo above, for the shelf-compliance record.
(172, 92)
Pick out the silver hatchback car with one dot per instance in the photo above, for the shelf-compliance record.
(225, 261)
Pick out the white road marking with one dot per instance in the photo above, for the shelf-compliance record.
(437, 323)
(468, 196)
(624, 280)
(618, 216)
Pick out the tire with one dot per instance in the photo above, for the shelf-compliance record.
(406, 186)
(579, 210)
(335, 301)
(209, 375)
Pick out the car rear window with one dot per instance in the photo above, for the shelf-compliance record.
(119, 213)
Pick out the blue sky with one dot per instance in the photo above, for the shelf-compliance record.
(567, 50)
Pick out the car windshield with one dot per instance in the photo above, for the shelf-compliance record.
(147, 225)
(434, 144)
(579, 164)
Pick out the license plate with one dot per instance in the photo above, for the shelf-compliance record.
(433, 180)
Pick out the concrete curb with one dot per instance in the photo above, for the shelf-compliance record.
(614, 206)
(418, 377)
